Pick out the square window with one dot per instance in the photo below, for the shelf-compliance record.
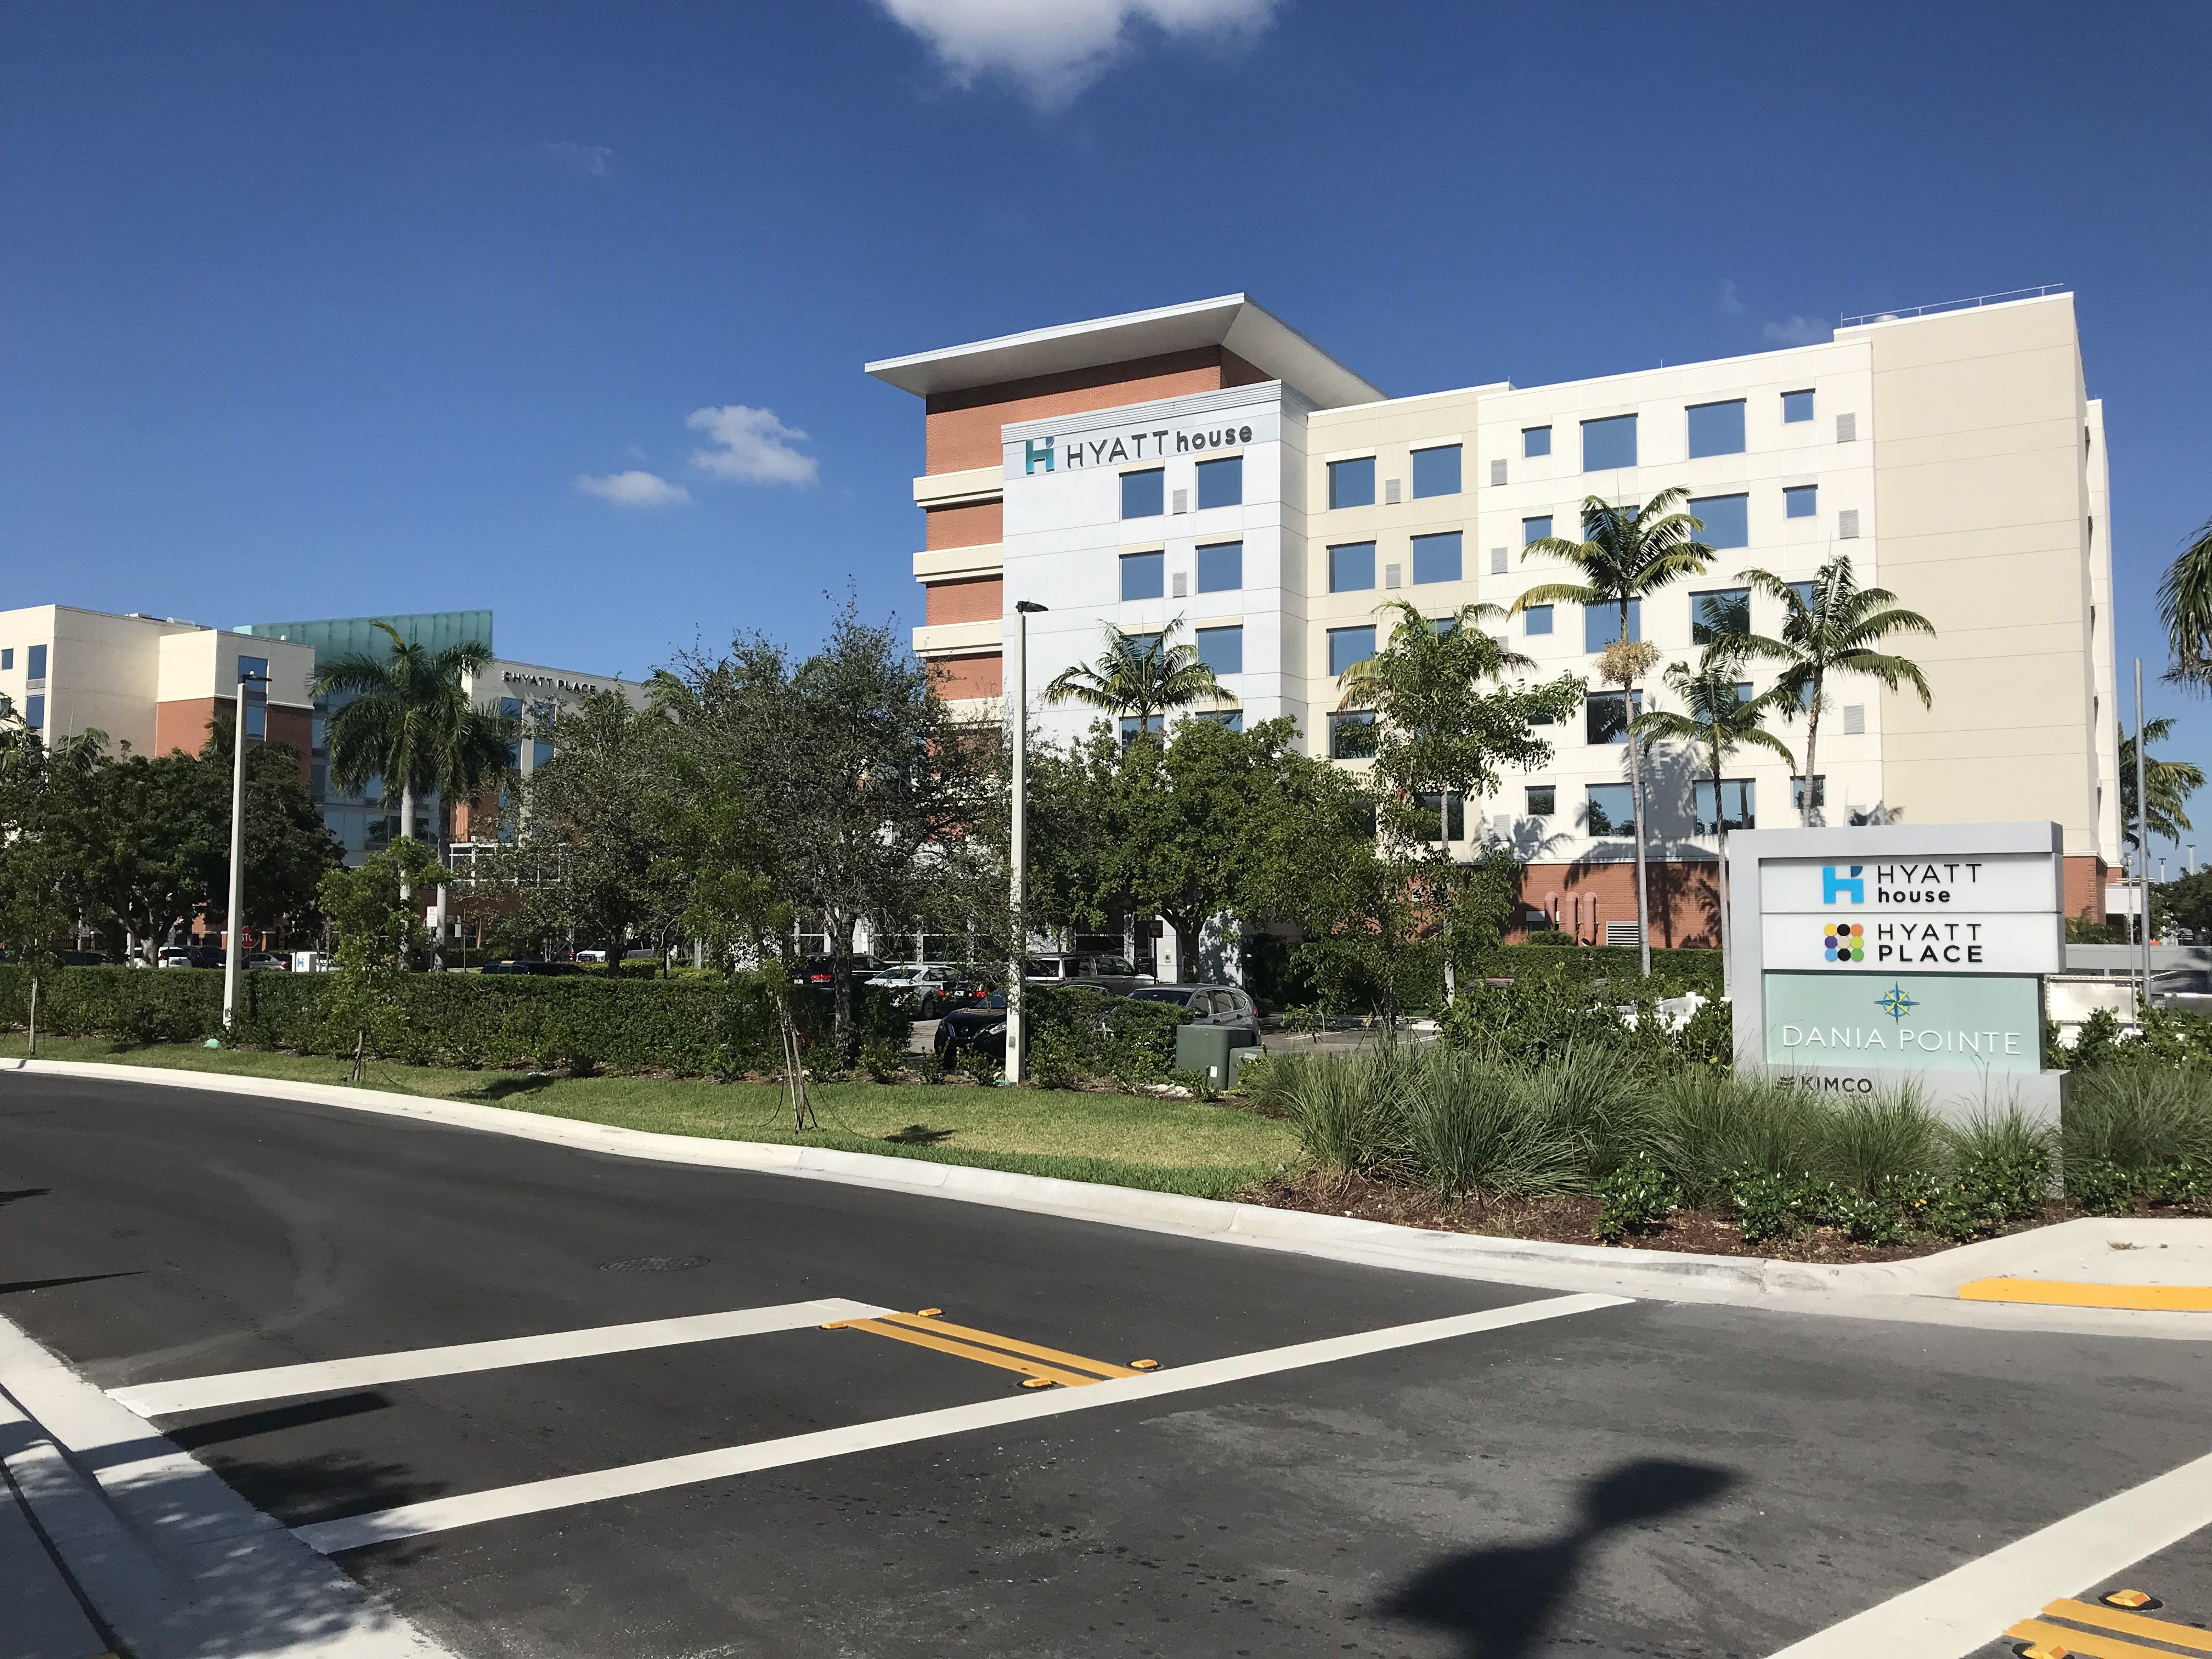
(1610, 444)
(1726, 519)
(1436, 471)
(1443, 817)
(1543, 800)
(1535, 530)
(1152, 723)
(1435, 558)
(1796, 406)
(1802, 501)
(1221, 567)
(1819, 792)
(1351, 483)
(540, 753)
(1737, 797)
(1718, 612)
(1601, 624)
(1221, 483)
(7, 657)
(37, 664)
(1536, 441)
(1352, 737)
(1611, 810)
(1143, 493)
(1716, 429)
(1222, 649)
(1540, 618)
(1606, 715)
(1347, 645)
(1143, 574)
(1804, 593)
(34, 711)
(1231, 717)
(1351, 568)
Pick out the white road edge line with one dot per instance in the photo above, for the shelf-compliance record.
(321, 1377)
(534, 1496)
(1969, 1607)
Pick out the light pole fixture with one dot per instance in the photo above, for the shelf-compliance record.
(233, 945)
(1017, 850)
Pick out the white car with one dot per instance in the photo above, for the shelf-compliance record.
(591, 956)
(268, 962)
(175, 956)
(919, 986)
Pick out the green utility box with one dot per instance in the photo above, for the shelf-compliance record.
(1205, 1048)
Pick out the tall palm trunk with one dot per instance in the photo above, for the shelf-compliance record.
(1636, 799)
(1809, 812)
(1720, 830)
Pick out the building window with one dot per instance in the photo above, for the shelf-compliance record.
(1347, 645)
(1718, 612)
(1221, 567)
(36, 665)
(1536, 441)
(540, 753)
(1222, 649)
(1143, 575)
(1802, 501)
(1220, 483)
(1796, 406)
(1726, 519)
(1611, 810)
(1231, 717)
(1152, 723)
(1601, 624)
(1737, 799)
(1610, 444)
(1351, 568)
(1543, 800)
(7, 657)
(1436, 471)
(1819, 792)
(1352, 737)
(257, 719)
(1716, 429)
(34, 712)
(1847, 524)
(1443, 817)
(1605, 716)
(1535, 530)
(1351, 483)
(1143, 493)
(1435, 558)
(1540, 618)
(1743, 691)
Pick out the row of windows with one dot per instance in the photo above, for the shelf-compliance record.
(1714, 428)
(1220, 483)
(1221, 649)
(1220, 570)
(34, 668)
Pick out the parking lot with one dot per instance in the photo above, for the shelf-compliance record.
(559, 1402)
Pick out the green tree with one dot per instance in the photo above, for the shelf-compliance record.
(2168, 783)
(1833, 631)
(42, 889)
(379, 933)
(1144, 677)
(1717, 721)
(1626, 555)
(2185, 606)
(288, 849)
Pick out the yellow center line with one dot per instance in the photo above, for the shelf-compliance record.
(2133, 1624)
(924, 1339)
(2148, 1299)
(915, 1322)
(2059, 1638)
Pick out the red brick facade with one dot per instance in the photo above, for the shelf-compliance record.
(973, 599)
(976, 524)
(962, 426)
(978, 676)
(1583, 898)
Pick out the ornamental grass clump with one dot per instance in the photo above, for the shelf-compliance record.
(1716, 1132)
(1469, 1126)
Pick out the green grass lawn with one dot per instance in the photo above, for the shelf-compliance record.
(1166, 1145)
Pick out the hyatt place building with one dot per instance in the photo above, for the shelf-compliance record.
(1206, 462)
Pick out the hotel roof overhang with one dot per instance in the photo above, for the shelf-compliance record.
(1254, 333)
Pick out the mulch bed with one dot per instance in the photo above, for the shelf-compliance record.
(1568, 1220)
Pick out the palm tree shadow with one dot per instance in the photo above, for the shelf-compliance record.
(1500, 1601)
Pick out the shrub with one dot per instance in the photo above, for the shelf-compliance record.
(1471, 1126)
(1766, 1204)
(1871, 1139)
(1600, 1095)
(1076, 1033)
(1635, 1199)
(2140, 1116)
(1344, 1108)
(2101, 1186)
(1713, 1130)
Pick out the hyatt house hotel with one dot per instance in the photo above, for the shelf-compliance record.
(1206, 462)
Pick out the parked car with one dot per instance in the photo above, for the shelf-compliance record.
(979, 1029)
(268, 962)
(191, 956)
(926, 990)
(591, 956)
(1209, 1005)
(821, 971)
(1113, 973)
(84, 959)
(532, 965)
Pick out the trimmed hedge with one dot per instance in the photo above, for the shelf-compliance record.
(693, 1027)
(1079, 1033)
(1674, 971)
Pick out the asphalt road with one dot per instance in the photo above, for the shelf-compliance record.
(1647, 1479)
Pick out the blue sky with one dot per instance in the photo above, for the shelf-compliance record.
(320, 310)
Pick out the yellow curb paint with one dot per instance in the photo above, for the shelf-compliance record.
(1103, 1368)
(2133, 1624)
(2058, 1293)
(2058, 1640)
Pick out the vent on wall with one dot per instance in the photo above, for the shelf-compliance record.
(1391, 574)
(1390, 492)
(1497, 472)
(1497, 561)
(1181, 585)
(1620, 932)
(1847, 524)
(1847, 428)
(1854, 718)
(1182, 501)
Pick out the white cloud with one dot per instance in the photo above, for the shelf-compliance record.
(1053, 49)
(1730, 302)
(595, 159)
(1800, 330)
(751, 444)
(646, 490)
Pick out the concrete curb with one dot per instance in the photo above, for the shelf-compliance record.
(1921, 1291)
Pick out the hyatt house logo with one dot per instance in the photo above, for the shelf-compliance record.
(1839, 883)
(1130, 447)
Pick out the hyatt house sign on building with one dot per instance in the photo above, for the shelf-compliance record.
(1873, 955)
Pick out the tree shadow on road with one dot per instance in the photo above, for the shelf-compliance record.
(1500, 1601)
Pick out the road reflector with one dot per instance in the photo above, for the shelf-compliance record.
(927, 1313)
(2130, 1598)
(1037, 1382)
(1144, 1364)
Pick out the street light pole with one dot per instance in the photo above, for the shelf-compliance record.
(2142, 841)
(233, 951)
(1018, 850)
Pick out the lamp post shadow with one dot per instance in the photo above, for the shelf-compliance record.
(1500, 1601)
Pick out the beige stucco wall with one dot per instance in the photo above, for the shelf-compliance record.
(1981, 502)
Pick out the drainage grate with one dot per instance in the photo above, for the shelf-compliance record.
(654, 1264)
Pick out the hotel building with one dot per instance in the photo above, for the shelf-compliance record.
(1206, 463)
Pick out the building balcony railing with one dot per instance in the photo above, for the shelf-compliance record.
(1953, 305)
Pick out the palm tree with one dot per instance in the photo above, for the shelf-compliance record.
(2168, 783)
(411, 725)
(1626, 553)
(2184, 605)
(1716, 719)
(1831, 630)
(1139, 675)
